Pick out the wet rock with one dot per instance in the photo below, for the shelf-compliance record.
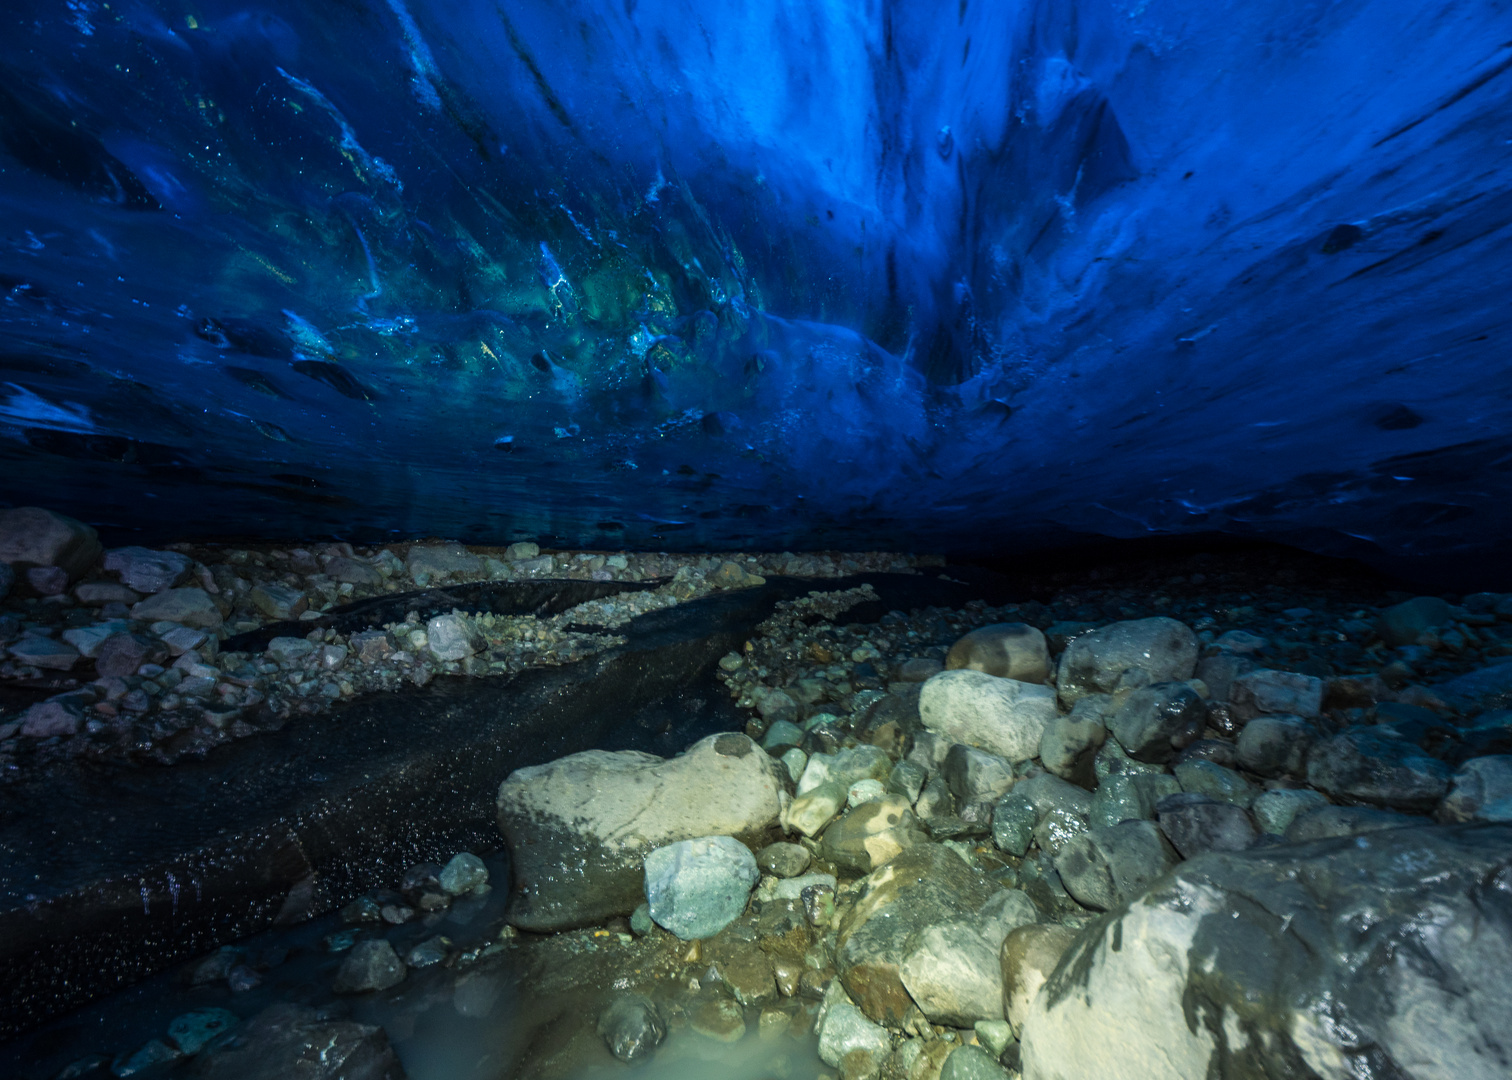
(452, 637)
(579, 827)
(924, 886)
(995, 1036)
(148, 571)
(1215, 782)
(1266, 691)
(1404, 623)
(44, 652)
(1218, 751)
(871, 835)
(1392, 930)
(971, 1063)
(783, 860)
(121, 654)
(1481, 790)
(1275, 810)
(463, 874)
(1070, 743)
(100, 593)
(289, 650)
(748, 975)
(844, 1030)
(1049, 793)
(285, 1042)
(1368, 766)
(428, 953)
(1241, 642)
(370, 965)
(698, 887)
(1125, 656)
(191, 1031)
(1156, 721)
(181, 639)
(1002, 716)
(439, 560)
(1013, 821)
(810, 812)
(919, 669)
(1327, 822)
(952, 973)
(1195, 824)
(1219, 672)
(720, 1019)
(31, 536)
(1007, 650)
(279, 601)
(1276, 745)
(370, 646)
(631, 1027)
(781, 735)
(1129, 796)
(50, 719)
(975, 776)
(907, 779)
(522, 549)
(191, 607)
(844, 768)
(353, 572)
(1028, 956)
(1105, 866)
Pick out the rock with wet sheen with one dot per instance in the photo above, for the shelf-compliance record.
(1125, 656)
(293, 1042)
(1156, 721)
(371, 965)
(1366, 765)
(1406, 933)
(1103, 867)
(632, 1027)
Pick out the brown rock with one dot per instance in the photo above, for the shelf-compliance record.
(1029, 955)
(1008, 650)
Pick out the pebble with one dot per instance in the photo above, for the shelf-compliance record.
(465, 873)
(369, 965)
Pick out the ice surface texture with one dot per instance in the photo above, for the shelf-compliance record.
(956, 275)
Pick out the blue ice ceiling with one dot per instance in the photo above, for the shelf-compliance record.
(967, 276)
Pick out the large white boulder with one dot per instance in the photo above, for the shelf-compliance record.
(1003, 716)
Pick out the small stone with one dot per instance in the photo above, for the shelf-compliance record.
(1374, 767)
(428, 953)
(952, 973)
(1275, 810)
(720, 1019)
(1105, 866)
(794, 761)
(696, 888)
(1008, 650)
(371, 965)
(522, 549)
(191, 607)
(871, 835)
(994, 1035)
(44, 653)
(32, 536)
(972, 1063)
(50, 719)
(1276, 745)
(864, 791)
(784, 860)
(782, 734)
(464, 873)
(537, 567)
(919, 669)
(439, 560)
(976, 776)
(818, 903)
(373, 646)
(148, 571)
(452, 637)
(749, 977)
(1013, 821)
(183, 639)
(844, 1029)
(1216, 782)
(191, 1031)
(1241, 642)
(631, 1027)
(289, 650)
(364, 909)
(907, 779)
(641, 922)
(1195, 824)
(120, 655)
(353, 572)
(1070, 743)
(1266, 691)
(280, 602)
(100, 593)
(1481, 790)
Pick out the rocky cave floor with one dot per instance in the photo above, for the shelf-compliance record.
(918, 861)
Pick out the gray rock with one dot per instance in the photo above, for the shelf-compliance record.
(1070, 743)
(907, 779)
(1049, 792)
(784, 860)
(1368, 766)
(1404, 623)
(812, 811)
(935, 799)
(290, 650)
(579, 827)
(1013, 821)
(452, 637)
(44, 653)
(1391, 930)
(191, 607)
(522, 549)
(1218, 751)
(47, 580)
(781, 735)
(641, 922)
(371, 646)
(1327, 822)
(1028, 956)
(1057, 829)
(995, 1036)
(1125, 656)
(871, 835)
(1275, 810)
(971, 1063)
(952, 973)
(148, 571)
(463, 874)
(1195, 824)
(1267, 691)
(191, 1031)
(919, 669)
(121, 654)
(1478, 690)
(31, 536)
(844, 768)
(1481, 790)
(279, 601)
(1276, 745)
(1129, 796)
(439, 560)
(1004, 912)
(371, 965)
(1215, 782)
(777, 706)
(49, 719)
(631, 1027)
(698, 887)
(1219, 672)
(537, 567)
(181, 639)
(924, 886)
(845, 1033)
(1241, 642)
(1106, 866)
(1007, 650)
(428, 953)
(1002, 716)
(353, 571)
(1156, 721)
(976, 776)
(292, 1042)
